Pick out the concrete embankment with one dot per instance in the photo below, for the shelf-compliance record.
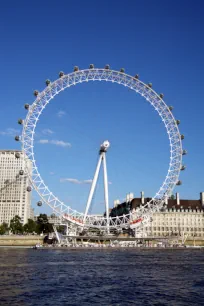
(15, 240)
(18, 240)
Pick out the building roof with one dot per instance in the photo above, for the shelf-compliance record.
(185, 204)
(10, 151)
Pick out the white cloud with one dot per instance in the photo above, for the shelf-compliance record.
(43, 141)
(71, 180)
(61, 113)
(59, 143)
(76, 181)
(10, 132)
(47, 132)
(87, 181)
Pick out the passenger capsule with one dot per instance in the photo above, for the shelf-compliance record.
(17, 138)
(17, 155)
(36, 93)
(61, 74)
(21, 172)
(184, 152)
(107, 67)
(179, 183)
(182, 137)
(76, 68)
(20, 121)
(183, 167)
(161, 95)
(29, 189)
(26, 106)
(47, 82)
(149, 85)
(91, 66)
(39, 203)
(178, 122)
(53, 216)
(171, 108)
(137, 76)
(122, 70)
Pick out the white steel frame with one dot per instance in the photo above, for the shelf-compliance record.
(102, 158)
(143, 213)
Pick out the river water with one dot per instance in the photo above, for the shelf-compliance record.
(101, 277)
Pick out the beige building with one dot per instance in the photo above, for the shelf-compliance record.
(178, 220)
(178, 217)
(14, 197)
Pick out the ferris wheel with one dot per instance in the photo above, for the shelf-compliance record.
(143, 214)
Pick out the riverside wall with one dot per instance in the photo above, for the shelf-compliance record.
(32, 240)
(17, 240)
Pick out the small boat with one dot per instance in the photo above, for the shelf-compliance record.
(37, 246)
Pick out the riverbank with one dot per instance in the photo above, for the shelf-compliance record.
(57, 248)
(18, 240)
(32, 240)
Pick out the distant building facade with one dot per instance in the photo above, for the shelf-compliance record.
(31, 213)
(14, 197)
(53, 219)
(176, 218)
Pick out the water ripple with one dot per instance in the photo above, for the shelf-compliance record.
(101, 277)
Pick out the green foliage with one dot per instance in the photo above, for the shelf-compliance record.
(16, 226)
(4, 228)
(40, 226)
(172, 197)
(43, 226)
(61, 229)
(30, 227)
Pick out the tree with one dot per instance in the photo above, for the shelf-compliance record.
(30, 227)
(4, 228)
(172, 197)
(16, 226)
(61, 229)
(43, 226)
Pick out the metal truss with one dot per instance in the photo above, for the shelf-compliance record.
(143, 214)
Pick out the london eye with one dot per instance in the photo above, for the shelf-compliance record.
(143, 214)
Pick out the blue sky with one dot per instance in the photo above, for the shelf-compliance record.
(163, 41)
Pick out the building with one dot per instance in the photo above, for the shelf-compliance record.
(14, 197)
(178, 217)
(52, 219)
(31, 213)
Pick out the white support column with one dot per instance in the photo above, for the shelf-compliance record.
(56, 233)
(106, 189)
(93, 186)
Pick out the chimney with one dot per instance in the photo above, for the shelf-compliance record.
(116, 203)
(177, 199)
(142, 197)
(131, 196)
(166, 200)
(127, 198)
(202, 199)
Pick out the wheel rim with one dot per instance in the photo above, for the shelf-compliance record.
(35, 110)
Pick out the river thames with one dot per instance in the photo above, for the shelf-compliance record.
(101, 277)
